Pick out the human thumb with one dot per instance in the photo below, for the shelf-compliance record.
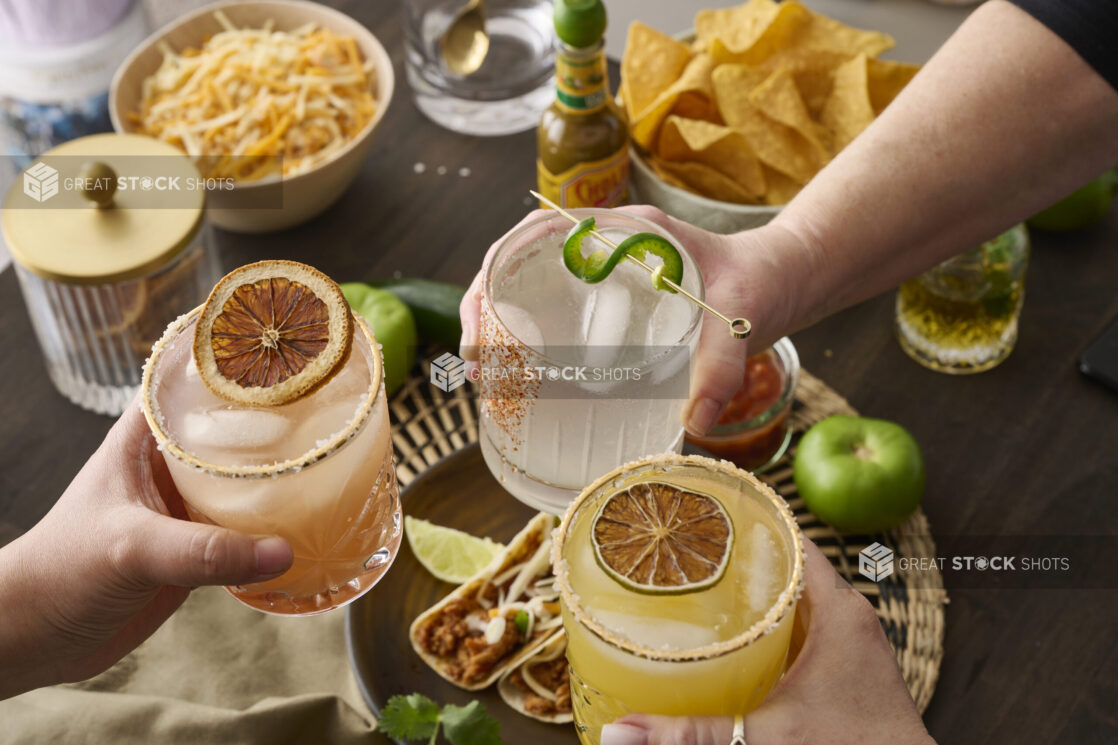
(648, 729)
(187, 554)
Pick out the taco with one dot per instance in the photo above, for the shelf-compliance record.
(540, 686)
(496, 619)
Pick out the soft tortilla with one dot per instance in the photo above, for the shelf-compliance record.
(515, 697)
(519, 549)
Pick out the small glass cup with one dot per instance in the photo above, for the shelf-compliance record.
(756, 443)
(513, 86)
(337, 504)
(961, 316)
(714, 652)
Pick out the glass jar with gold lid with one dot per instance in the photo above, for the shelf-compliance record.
(110, 245)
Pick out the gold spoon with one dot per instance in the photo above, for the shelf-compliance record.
(465, 43)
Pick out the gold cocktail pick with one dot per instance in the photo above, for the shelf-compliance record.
(739, 327)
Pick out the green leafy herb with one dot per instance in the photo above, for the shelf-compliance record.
(521, 620)
(417, 717)
(470, 725)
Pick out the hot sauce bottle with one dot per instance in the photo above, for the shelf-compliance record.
(582, 138)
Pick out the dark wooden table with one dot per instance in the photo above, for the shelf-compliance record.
(1029, 449)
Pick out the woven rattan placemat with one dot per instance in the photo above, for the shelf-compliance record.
(429, 424)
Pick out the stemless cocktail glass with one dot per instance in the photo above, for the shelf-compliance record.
(578, 378)
(712, 651)
(318, 471)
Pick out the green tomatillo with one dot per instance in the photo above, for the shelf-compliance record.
(859, 475)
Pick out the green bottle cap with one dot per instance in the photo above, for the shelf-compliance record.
(580, 23)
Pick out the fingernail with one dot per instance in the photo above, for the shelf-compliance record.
(273, 555)
(623, 734)
(703, 415)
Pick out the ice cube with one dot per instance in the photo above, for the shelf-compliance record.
(668, 319)
(520, 323)
(657, 633)
(605, 323)
(233, 429)
(762, 572)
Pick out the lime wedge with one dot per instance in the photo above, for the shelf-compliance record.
(448, 554)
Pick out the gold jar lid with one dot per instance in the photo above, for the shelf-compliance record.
(103, 209)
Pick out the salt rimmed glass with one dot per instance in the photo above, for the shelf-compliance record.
(337, 503)
(713, 667)
(548, 434)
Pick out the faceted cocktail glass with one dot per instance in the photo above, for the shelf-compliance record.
(318, 471)
(547, 430)
(715, 651)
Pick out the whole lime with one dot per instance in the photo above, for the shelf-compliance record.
(1084, 206)
(392, 325)
(859, 475)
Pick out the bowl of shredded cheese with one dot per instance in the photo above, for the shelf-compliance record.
(275, 101)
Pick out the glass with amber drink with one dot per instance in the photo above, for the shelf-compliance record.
(961, 316)
(678, 579)
(268, 405)
(754, 431)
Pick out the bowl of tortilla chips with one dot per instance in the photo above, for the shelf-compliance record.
(730, 121)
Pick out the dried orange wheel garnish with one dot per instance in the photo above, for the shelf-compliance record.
(271, 332)
(656, 538)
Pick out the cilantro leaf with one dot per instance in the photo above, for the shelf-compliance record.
(413, 717)
(470, 725)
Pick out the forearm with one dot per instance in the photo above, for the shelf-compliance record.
(1004, 120)
(19, 669)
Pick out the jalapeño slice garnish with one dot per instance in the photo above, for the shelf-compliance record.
(598, 265)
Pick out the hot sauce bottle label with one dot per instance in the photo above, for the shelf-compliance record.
(599, 183)
(580, 84)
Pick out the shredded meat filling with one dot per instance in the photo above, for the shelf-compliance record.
(444, 633)
(483, 657)
(554, 676)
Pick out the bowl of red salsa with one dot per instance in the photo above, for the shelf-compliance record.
(753, 431)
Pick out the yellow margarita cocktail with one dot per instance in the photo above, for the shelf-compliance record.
(679, 577)
(309, 459)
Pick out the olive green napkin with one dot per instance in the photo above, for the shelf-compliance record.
(216, 672)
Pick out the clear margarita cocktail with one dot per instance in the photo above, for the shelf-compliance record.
(578, 378)
(317, 470)
(678, 577)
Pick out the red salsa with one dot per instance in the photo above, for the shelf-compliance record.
(751, 447)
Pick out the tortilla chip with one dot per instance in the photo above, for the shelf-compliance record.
(779, 99)
(721, 148)
(752, 33)
(652, 62)
(812, 70)
(691, 96)
(695, 94)
(886, 79)
(782, 189)
(706, 181)
(823, 33)
(848, 109)
(775, 144)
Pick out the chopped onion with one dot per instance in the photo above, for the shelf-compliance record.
(538, 564)
(495, 629)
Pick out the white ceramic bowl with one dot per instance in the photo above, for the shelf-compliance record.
(712, 214)
(304, 195)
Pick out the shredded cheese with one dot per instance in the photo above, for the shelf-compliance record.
(260, 93)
